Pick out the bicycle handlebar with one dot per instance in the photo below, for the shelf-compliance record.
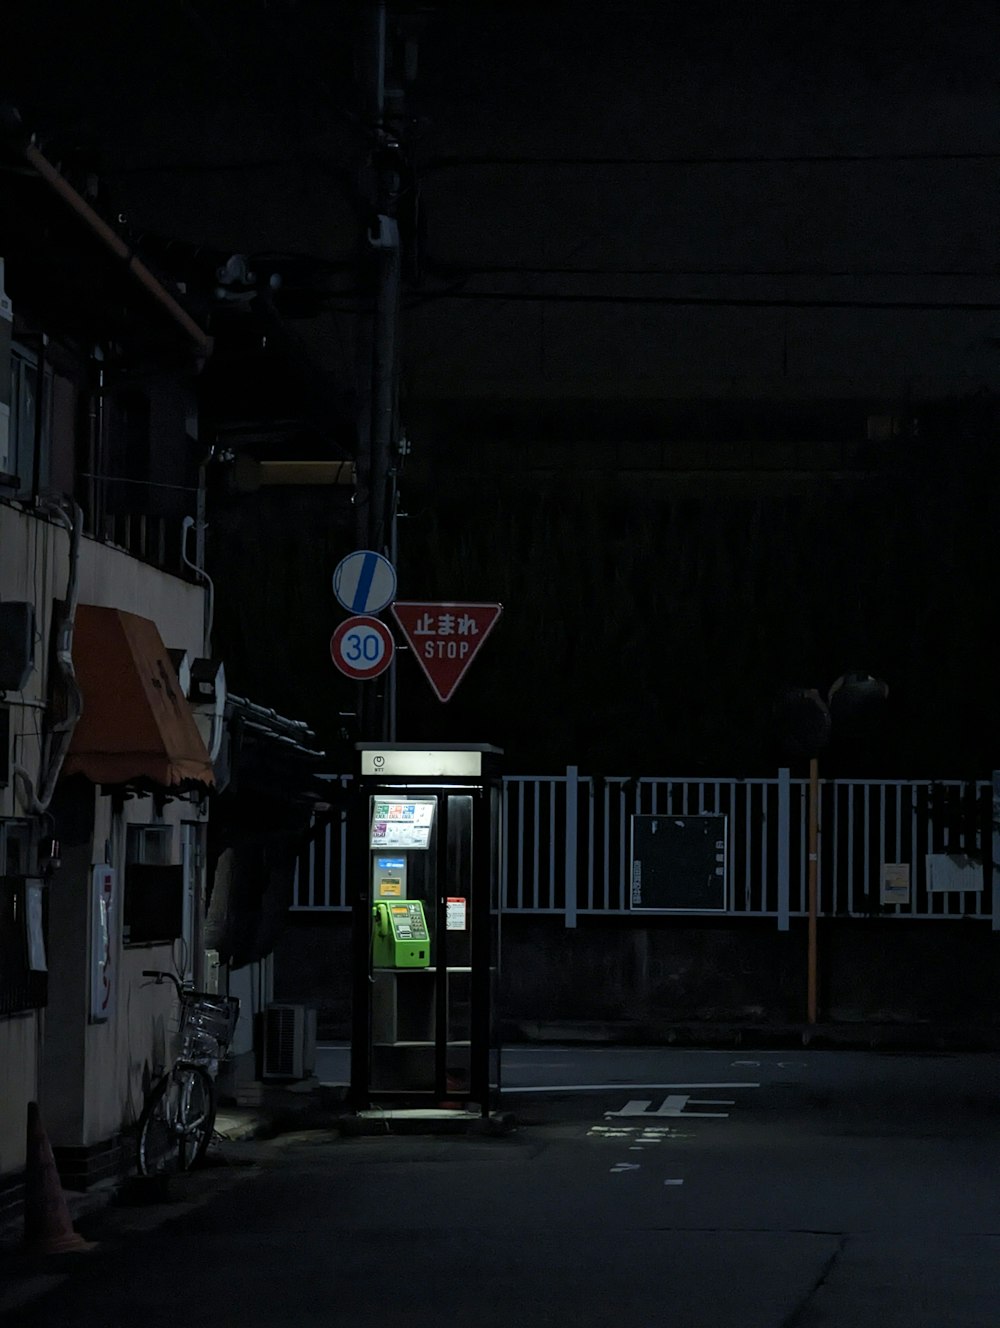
(160, 975)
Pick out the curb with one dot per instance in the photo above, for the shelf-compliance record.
(496, 1125)
(934, 1037)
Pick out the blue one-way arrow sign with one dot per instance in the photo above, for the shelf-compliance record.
(364, 582)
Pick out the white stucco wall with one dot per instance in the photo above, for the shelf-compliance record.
(114, 579)
(91, 1094)
(123, 1054)
(18, 1085)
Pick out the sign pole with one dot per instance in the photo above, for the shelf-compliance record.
(378, 423)
(394, 559)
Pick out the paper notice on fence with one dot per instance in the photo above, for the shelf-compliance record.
(895, 883)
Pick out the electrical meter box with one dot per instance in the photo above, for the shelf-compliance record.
(399, 937)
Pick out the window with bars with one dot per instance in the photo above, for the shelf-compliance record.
(23, 925)
(29, 426)
(153, 903)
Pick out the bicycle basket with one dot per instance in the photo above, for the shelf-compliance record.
(206, 1016)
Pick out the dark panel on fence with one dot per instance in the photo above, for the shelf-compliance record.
(679, 862)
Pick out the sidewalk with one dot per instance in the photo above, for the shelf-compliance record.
(140, 1203)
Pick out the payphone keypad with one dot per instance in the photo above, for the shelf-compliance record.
(408, 921)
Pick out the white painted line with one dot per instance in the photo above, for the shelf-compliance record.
(673, 1182)
(615, 1088)
(624, 1166)
(651, 1134)
(673, 1105)
(754, 1063)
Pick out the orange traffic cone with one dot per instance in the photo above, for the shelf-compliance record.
(47, 1225)
(453, 1082)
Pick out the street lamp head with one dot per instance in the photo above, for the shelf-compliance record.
(856, 695)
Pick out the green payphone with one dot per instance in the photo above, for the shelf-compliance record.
(399, 935)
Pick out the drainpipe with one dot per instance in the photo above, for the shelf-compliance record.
(59, 735)
(197, 337)
(219, 718)
(200, 572)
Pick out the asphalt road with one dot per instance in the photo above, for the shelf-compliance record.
(682, 1188)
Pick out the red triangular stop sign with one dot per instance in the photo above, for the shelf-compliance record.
(445, 638)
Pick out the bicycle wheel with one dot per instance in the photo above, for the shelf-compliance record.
(157, 1150)
(195, 1113)
(176, 1124)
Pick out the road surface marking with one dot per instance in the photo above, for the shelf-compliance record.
(608, 1088)
(672, 1105)
(673, 1182)
(650, 1134)
(624, 1166)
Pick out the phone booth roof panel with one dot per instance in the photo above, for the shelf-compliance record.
(414, 760)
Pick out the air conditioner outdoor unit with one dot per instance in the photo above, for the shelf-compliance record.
(289, 1042)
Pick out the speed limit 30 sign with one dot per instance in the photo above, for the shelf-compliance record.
(362, 648)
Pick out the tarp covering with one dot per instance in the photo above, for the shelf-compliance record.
(136, 723)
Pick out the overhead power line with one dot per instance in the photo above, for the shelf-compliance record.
(524, 270)
(688, 301)
(734, 159)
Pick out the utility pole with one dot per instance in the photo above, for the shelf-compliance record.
(378, 424)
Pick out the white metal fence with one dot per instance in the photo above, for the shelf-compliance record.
(567, 845)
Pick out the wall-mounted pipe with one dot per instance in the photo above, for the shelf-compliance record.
(186, 526)
(59, 735)
(199, 339)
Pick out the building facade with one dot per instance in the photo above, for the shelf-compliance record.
(105, 760)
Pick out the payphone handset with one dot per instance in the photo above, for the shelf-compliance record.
(399, 935)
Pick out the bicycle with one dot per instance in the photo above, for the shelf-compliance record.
(178, 1117)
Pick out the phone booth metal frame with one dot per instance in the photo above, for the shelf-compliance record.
(427, 1036)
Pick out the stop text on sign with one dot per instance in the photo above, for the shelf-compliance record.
(446, 649)
(446, 635)
(445, 638)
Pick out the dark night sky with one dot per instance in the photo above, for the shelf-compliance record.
(723, 224)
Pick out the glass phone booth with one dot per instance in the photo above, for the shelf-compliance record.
(425, 838)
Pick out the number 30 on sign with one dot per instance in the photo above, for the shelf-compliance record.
(362, 648)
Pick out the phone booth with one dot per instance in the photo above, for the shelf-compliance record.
(425, 837)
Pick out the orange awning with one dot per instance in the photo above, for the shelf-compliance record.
(136, 723)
